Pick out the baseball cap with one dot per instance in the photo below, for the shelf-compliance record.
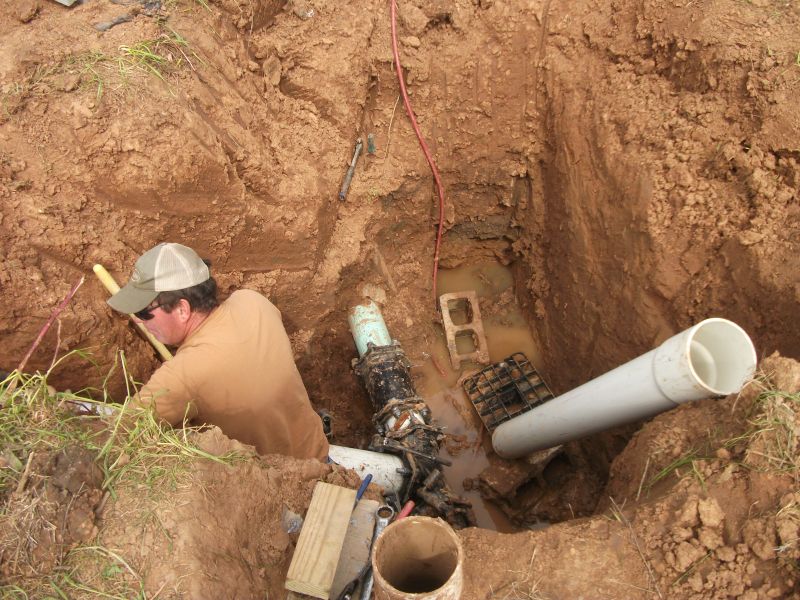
(165, 268)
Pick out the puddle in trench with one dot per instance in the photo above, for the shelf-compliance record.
(506, 332)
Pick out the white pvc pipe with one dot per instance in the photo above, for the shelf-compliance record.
(368, 327)
(713, 358)
(386, 469)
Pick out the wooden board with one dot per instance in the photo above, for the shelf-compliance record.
(320, 543)
(357, 543)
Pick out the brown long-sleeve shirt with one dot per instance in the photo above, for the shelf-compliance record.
(236, 371)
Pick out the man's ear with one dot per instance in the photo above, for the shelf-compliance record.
(184, 309)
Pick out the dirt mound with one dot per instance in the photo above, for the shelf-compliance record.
(716, 520)
(225, 531)
(51, 511)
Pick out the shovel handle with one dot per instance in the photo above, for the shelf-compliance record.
(108, 281)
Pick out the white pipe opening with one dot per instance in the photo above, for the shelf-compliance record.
(712, 358)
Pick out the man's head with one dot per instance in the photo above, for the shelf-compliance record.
(171, 291)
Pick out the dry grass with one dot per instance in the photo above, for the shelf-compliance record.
(773, 441)
(521, 587)
(132, 450)
(616, 511)
(120, 73)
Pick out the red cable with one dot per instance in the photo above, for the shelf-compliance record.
(407, 508)
(423, 145)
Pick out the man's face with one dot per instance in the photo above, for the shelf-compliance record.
(167, 327)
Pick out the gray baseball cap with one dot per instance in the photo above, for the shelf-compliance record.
(165, 268)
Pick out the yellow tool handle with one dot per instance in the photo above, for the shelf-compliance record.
(108, 281)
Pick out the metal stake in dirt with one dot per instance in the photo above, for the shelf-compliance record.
(349, 176)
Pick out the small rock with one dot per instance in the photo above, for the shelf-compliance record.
(27, 10)
(750, 237)
(724, 454)
(302, 9)
(376, 293)
(272, 70)
(710, 538)
(711, 514)
(726, 554)
(411, 41)
(413, 18)
(687, 517)
(68, 82)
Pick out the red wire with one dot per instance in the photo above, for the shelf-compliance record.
(423, 145)
(407, 508)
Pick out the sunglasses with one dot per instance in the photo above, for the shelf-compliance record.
(146, 313)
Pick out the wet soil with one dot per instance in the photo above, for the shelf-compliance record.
(635, 164)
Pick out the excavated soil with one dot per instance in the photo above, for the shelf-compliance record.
(637, 164)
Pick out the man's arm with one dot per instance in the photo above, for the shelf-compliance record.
(168, 395)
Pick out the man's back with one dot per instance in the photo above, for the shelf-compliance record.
(237, 371)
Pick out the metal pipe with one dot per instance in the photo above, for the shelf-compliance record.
(351, 169)
(712, 358)
(402, 419)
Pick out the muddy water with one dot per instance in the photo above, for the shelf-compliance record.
(437, 382)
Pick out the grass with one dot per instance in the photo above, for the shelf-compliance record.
(774, 443)
(132, 449)
(682, 577)
(521, 587)
(619, 516)
(132, 445)
(790, 513)
(771, 440)
(691, 460)
(87, 572)
(103, 72)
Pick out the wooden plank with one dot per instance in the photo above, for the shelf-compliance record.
(355, 552)
(314, 562)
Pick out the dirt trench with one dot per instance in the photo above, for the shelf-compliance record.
(635, 164)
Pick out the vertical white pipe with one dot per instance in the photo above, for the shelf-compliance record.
(713, 358)
(367, 326)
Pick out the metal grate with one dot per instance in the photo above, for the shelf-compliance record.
(505, 390)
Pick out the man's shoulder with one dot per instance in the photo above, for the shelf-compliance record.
(249, 300)
(247, 296)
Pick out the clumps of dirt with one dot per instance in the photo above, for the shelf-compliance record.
(49, 511)
(727, 527)
(700, 548)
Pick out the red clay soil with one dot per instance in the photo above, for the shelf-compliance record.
(637, 164)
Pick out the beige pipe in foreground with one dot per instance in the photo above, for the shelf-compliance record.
(108, 281)
(418, 558)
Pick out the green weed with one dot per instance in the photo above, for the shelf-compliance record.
(691, 459)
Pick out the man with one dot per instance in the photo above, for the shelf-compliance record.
(234, 366)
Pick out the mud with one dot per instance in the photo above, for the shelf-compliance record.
(634, 164)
